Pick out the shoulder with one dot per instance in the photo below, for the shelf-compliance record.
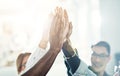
(84, 70)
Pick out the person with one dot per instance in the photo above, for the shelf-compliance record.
(23, 57)
(39, 64)
(76, 67)
(21, 61)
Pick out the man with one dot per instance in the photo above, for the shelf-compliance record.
(99, 59)
(39, 64)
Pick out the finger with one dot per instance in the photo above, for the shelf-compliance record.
(55, 22)
(54, 18)
(53, 25)
(56, 10)
(64, 24)
(65, 15)
(58, 20)
(60, 23)
(69, 31)
(70, 28)
(66, 18)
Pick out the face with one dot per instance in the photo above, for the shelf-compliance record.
(24, 62)
(99, 58)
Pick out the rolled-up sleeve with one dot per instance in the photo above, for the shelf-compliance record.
(34, 58)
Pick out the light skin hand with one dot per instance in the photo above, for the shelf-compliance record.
(67, 44)
(57, 34)
(58, 29)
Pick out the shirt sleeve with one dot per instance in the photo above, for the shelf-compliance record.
(34, 58)
(76, 67)
(83, 70)
(72, 62)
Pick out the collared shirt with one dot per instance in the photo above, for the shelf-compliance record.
(76, 67)
(82, 68)
(105, 73)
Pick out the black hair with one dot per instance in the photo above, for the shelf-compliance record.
(103, 44)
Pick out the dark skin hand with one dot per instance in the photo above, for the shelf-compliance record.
(57, 35)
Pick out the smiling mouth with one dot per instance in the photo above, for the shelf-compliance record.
(96, 65)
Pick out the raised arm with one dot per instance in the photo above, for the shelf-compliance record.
(72, 60)
(58, 32)
(75, 66)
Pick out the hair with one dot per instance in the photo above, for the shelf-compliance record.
(103, 44)
(19, 60)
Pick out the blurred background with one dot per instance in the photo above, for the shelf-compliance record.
(22, 22)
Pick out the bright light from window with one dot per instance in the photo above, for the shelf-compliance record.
(96, 18)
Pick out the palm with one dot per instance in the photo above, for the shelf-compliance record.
(59, 28)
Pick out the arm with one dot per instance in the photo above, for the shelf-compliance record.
(57, 35)
(43, 65)
(75, 67)
(72, 60)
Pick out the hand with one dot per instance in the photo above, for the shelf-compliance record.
(70, 31)
(67, 44)
(59, 29)
(69, 50)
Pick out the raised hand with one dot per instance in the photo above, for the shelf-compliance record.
(59, 29)
(58, 33)
(70, 31)
(69, 52)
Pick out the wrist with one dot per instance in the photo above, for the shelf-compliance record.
(54, 49)
(69, 49)
(71, 56)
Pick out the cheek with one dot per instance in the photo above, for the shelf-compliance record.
(105, 62)
(97, 61)
(92, 59)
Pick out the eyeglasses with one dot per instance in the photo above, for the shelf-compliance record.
(101, 56)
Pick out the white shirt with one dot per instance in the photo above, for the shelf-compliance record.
(33, 59)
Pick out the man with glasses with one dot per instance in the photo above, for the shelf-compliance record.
(76, 67)
(99, 59)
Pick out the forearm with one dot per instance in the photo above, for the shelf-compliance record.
(72, 62)
(47, 61)
(43, 65)
(71, 58)
(67, 49)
